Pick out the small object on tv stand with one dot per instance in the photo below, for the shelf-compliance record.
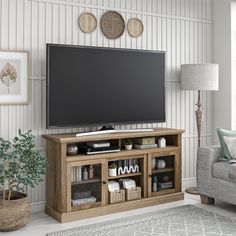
(85, 173)
(72, 149)
(91, 172)
(161, 142)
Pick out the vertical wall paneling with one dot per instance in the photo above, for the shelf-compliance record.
(181, 28)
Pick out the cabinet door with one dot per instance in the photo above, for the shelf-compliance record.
(86, 184)
(164, 174)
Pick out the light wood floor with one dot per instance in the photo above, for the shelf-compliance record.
(40, 223)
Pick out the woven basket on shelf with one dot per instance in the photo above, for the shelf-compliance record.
(14, 213)
(117, 196)
(133, 193)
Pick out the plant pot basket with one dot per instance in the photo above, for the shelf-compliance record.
(14, 213)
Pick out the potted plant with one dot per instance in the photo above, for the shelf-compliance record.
(112, 169)
(21, 166)
(128, 144)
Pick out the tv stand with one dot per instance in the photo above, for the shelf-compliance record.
(66, 182)
(110, 131)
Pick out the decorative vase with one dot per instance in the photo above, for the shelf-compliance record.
(15, 212)
(161, 142)
(128, 146)
(112, 172)
(161, 164)
(153, 163)
(72, 149)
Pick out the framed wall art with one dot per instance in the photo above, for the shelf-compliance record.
(13, 77)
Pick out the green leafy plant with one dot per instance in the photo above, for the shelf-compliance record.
(20, 164)
(113, 165)
(128, 141)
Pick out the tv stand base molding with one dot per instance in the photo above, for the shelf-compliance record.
(113, 208)
(78, 185)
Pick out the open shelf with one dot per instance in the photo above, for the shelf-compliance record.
(157, 171)
(125, 175)
(123, 153)
(89, 181)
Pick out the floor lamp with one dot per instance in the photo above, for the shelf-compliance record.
(199, 77)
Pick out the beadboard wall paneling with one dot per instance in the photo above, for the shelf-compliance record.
(182, 28)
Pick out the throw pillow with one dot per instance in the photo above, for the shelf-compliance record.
(225, 155)
(231, 145)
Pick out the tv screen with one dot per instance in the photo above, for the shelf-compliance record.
(91, 85)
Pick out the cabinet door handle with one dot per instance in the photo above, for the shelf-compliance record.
(104, 182)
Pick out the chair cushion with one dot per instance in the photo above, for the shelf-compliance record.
(221, 170)
(231, 145)
(225, 155)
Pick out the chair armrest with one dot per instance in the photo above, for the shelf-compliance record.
(205, 158)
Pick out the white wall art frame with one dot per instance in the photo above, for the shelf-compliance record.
(13, 77)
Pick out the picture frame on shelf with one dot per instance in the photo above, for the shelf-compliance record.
(13, 77)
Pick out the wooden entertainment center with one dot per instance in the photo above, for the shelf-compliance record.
(63, 183)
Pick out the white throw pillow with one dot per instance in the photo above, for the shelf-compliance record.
(231, 145)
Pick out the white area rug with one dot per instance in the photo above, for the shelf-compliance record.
(181, 221)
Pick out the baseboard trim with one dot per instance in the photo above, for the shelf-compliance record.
(40, 206)
(189, 182)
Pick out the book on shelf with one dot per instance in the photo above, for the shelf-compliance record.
(82, 201)
(76, 174)
(145, 146)
(146, 140)
(165, 185)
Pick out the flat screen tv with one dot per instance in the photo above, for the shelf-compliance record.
(103, 86)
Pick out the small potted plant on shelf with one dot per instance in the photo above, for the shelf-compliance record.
(128, 144)
(112, 169)
(21, 166)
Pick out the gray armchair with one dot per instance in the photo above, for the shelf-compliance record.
(213, 177)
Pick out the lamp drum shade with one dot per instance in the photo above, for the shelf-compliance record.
(200, 76)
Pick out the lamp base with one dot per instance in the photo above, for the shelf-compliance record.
(192, 190)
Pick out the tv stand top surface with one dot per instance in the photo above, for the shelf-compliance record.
(122, 134)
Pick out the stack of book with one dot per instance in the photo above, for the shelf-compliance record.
(82, 201)
(166, 185)
(144, 143)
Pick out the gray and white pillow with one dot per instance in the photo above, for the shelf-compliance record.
(231, 145)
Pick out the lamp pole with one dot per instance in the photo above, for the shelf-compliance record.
(199, 119)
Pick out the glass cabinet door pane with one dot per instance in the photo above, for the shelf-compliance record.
(86, 186)
(162, 173)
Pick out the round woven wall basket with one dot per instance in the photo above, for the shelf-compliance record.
(14, 213)
(87, 22)
(112, 24)
(135, 27)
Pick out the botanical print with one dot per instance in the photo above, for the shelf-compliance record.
(9, 77)
(13, 77)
